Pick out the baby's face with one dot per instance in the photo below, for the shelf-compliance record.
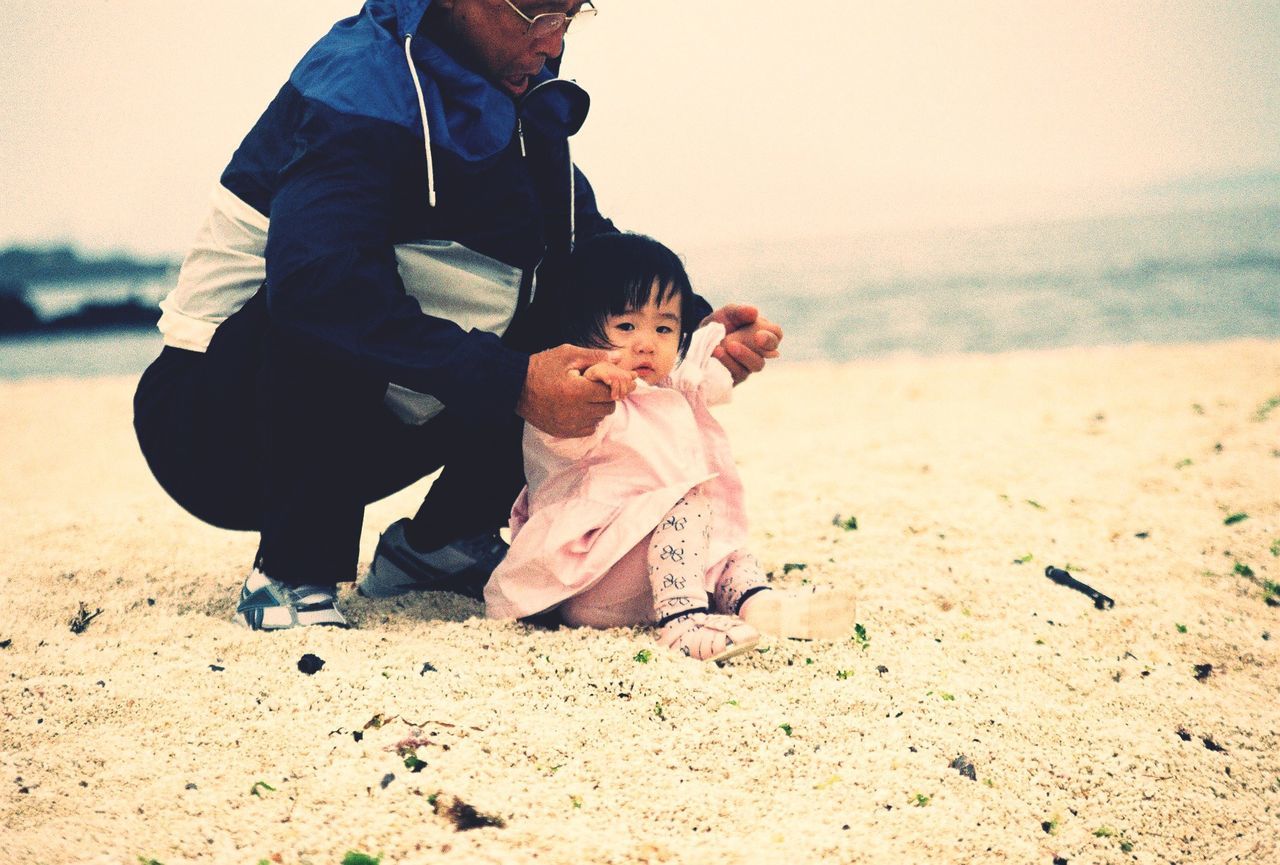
(649, 337)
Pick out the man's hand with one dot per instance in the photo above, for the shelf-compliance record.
(621, 381)
(557, 399)
(749, 340)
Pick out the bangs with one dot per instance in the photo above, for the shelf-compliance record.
(637, 294)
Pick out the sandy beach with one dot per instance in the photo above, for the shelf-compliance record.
(1142, 733)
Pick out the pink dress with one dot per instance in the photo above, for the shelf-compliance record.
(590, 500)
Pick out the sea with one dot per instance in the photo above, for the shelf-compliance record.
(1184, 276)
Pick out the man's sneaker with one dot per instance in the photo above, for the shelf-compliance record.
(463, 566)
(266, 605)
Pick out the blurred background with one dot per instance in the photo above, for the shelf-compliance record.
(920, 177)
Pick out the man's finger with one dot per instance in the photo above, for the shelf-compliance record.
(589, 390)
(742, 313)
(745, 355)
(736, 370)
(734, 315)
(594, 410)
(767, 342)
(581, 358)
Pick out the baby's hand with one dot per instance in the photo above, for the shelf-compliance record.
(620, 381)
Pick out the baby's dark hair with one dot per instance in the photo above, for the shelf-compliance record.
(612, 274)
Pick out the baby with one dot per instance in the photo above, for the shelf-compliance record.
(643, 521)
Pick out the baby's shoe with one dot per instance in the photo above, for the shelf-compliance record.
(807, 613)
(708, 637)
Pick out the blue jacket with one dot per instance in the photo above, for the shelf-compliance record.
(401, 210)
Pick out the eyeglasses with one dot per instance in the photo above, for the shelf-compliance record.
(550, 23)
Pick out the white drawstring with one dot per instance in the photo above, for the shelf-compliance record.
(426, 129)
(573, 207)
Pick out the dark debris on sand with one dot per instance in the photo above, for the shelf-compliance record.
(80, 621)
(965, 767)
(310, 664)
(464, 816)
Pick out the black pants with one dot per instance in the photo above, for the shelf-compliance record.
(271, 433)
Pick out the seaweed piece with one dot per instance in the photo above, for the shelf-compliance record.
(426, 668)
(4, 644)
(860, 636)
(1266, 408)
(1235, 518)
(408, 749)
(1203, 671)
(464, 816)
(353, 857)
(1212, 745)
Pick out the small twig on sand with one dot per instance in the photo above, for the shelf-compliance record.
(428, 723)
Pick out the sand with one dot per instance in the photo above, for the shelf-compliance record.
(164, 732)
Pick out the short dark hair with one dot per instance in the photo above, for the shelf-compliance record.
(612, 274)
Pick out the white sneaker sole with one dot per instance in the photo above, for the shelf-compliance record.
(278, 619)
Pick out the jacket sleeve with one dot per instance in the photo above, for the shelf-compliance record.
(332, 277)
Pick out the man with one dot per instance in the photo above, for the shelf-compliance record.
(358, 308)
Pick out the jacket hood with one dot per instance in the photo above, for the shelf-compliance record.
(359, 67)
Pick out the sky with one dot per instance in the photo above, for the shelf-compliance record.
(711, 122)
